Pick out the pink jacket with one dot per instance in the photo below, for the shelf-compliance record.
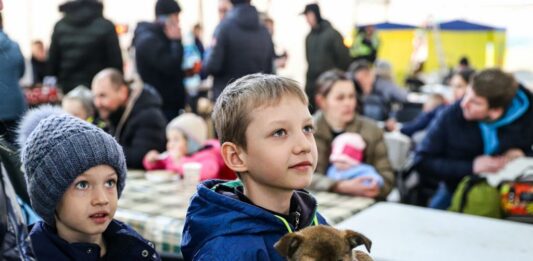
(213, 166)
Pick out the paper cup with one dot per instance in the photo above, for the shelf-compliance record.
(191, 173)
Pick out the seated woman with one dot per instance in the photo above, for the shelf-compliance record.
(186, 143)
(336, 98)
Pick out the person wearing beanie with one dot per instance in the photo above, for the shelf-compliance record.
(75, 174)
(347, 160)
(324, 50)
(159, 56)
(187, 142)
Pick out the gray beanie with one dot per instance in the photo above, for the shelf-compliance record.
(57, 148)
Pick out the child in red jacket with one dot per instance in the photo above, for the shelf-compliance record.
(187, 142)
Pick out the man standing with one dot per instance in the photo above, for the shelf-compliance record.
(241, 46)
(83, 43)
(159, 55)
(490, 126)
(134, 115)
(324, 49)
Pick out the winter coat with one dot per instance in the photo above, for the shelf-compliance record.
(83, 43)
(242, 45)
(122, 241)
(140, 126)
(159, 61)
(213, 166)
(14, 241)
(375, 153)
(324, 50)
(12, 102)
(452, 143)
(219, 226)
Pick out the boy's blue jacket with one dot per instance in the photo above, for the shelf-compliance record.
(123, 243)
(221, 227)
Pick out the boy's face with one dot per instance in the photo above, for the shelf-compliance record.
(281, 150)
(88, 205)
(176, 143)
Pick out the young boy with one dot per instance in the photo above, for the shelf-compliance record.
(75, 174)
(266, 133)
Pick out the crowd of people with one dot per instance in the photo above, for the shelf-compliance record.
(273, 137)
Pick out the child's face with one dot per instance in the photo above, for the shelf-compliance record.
(176, 143)
(88, 205)
(281, 150)
(74, 108)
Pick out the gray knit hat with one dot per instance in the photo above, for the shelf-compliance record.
(57, 148)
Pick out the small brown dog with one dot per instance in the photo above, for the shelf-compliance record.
(323, 243)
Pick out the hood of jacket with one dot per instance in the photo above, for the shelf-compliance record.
(81, 12)
(323, 25)
(216, 212)
(245, 16)
(147, 28)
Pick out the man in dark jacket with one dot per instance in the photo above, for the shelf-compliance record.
(159, 55)
(480, 134)
(134, 115)
(324, 50)
(83, 43)
(241, 46)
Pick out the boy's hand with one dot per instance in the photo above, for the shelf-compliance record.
(152, 156)
(488, 164)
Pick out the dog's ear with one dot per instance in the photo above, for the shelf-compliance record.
(355, 239)
(288, 244)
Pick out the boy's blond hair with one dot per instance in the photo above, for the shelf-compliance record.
(231, 113)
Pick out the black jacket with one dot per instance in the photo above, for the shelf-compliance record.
(159, 63)
(452, 143)
(140, 126)
(83, 43)
(242, 46)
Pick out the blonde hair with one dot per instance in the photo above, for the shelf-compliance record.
(231, 113)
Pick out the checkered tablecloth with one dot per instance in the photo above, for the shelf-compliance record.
(157, 210)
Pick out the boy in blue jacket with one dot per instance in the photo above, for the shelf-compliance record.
(267, 138)
(75, 174)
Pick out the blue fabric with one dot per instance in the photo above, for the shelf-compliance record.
(442, 198)
(12, 102)
(219, 227)
(361, 170)
(421, 122)
(29, 214)
(489, 131)
(452, 143)
(122, 241)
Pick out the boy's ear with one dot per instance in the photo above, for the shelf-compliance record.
(288, 244)
(319, 101)
(234, 157)
(355, 239)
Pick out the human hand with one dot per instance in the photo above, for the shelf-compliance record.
(489, 164)
(360, 186)
(152, 156)
(513, 154)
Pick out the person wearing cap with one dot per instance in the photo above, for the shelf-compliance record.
(324, 49)
(241, 45)
(187, 142)
(133, 114)
(76, 173)
(159, 55)
(83, 43)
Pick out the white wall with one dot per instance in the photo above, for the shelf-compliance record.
(26, 20)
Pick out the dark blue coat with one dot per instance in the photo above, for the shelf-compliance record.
(159, 63)
(221, 227)
(421, 122)
(123, 244)
(242, 46)
(452, 143)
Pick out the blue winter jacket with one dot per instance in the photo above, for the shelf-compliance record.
(221, 227)
(12, 102)
(123, 243)
(452, 143)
